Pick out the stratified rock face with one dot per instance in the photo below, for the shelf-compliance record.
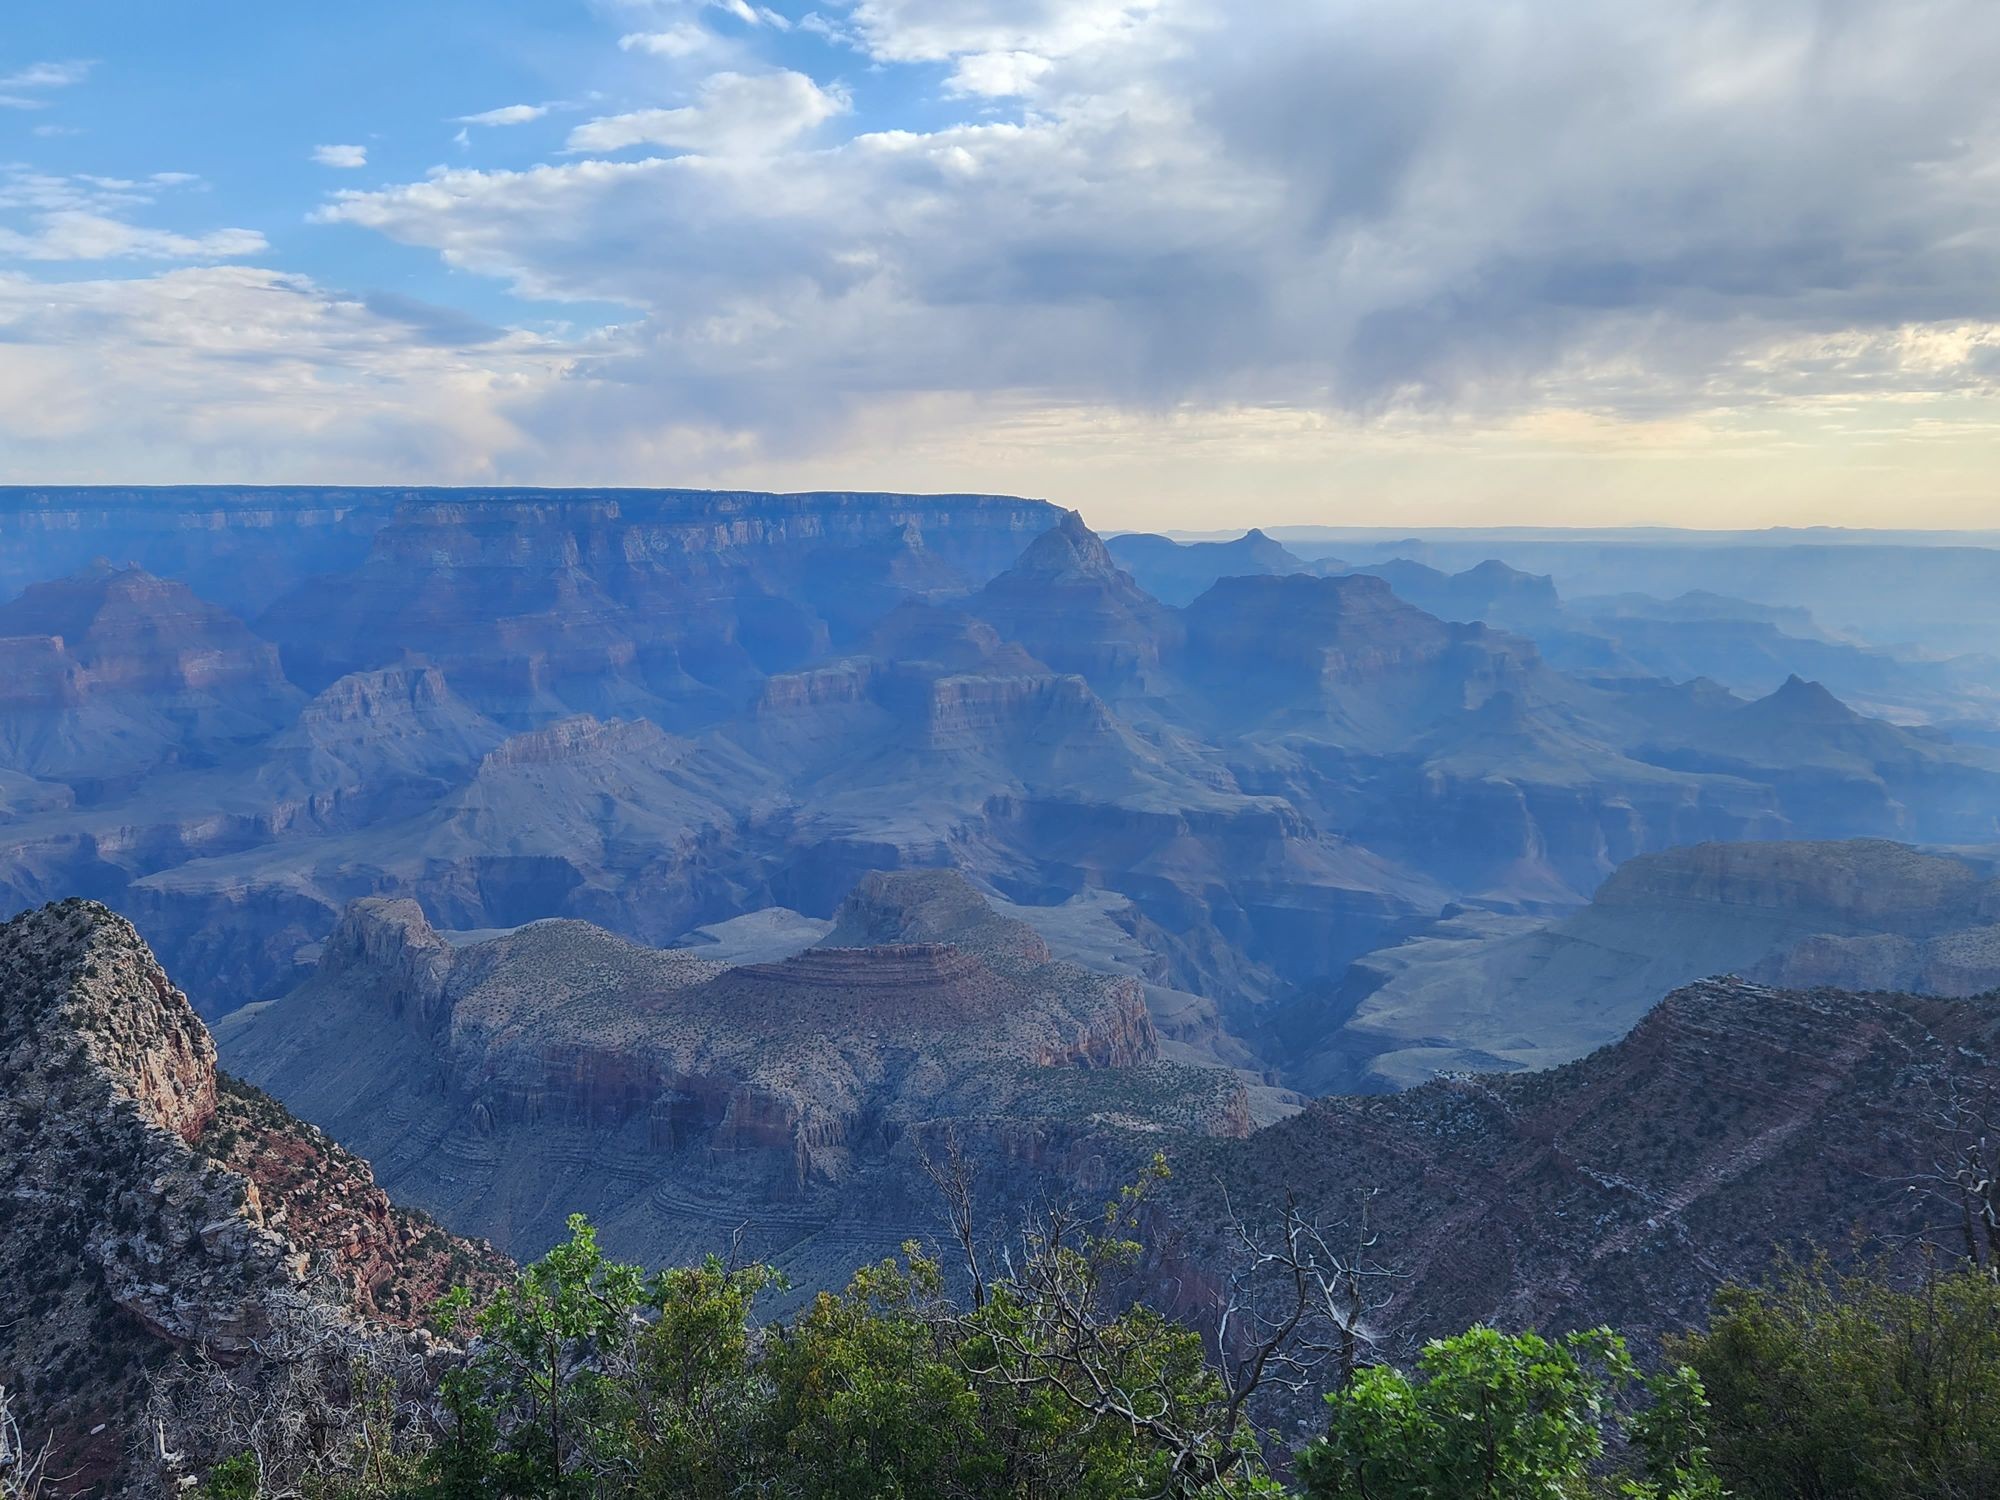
(664, 602)
(1491, 593)
(111, 671)
(400, 706)
(1861, 885)
(655, 711)
(153, 1209)
(1299, 641)
(916, 634)
(1734, 1122)
(240, 545)
(558, 1068)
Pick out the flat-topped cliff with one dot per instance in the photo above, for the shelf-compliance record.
(1490, 993)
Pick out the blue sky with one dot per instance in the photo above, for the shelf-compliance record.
(1178, 262)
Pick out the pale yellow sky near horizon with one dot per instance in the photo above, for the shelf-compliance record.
(1871, 464)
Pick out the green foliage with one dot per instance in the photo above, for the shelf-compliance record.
(688, 1416)
(1836, 1385)
(865, 1403)
(1494, 1416)
(1094, 1399)
(236, 1478)
(591, 1378)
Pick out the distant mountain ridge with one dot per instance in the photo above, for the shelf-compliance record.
(1493, 993)
(656, 713)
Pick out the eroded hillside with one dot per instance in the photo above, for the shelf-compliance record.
(507, 1083)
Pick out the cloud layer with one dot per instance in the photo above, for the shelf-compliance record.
(1470, 206)
(1474, 215)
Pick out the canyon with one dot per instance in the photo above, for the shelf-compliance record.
(701, 859)
(720, 865)
(659, 710)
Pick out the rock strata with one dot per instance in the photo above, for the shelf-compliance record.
(558, 1067)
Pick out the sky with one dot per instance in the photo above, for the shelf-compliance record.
(1177, 263)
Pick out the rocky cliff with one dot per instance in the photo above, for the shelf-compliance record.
(154, 1210)
(655, 711)
(237, 544)
(1073, 607)
(1178, 573)
(669, 603)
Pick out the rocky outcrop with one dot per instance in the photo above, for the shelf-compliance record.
(1491, 593)
(670, 603)
(1073, 607)
(241, 545)
(405, 963)
(932, 907)
(654, 711)
(1859, 885)
(155, 1210)
(1179, 572)
(655, 1086)
(126, 631)
(1343, 647)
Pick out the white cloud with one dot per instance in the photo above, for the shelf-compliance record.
(1332, 208)
(684, 39)
(997, 75)
(75, 234)
(1536, 218)
(343, 157)
(733, 114)
(929, 31)
(85, 217)
(750, 15)
(47, 75)
(222, 371)
(507, 114)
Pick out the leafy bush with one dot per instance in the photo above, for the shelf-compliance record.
(1841, 1385)
(1495, 1416)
